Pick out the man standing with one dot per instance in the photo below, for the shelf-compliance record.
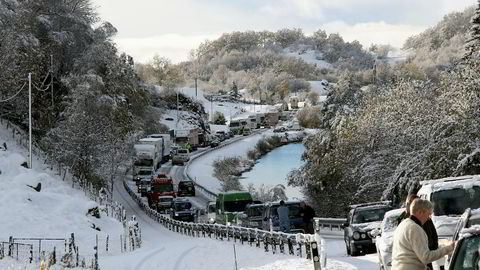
(307, 214)
(410, 242)
(283, 218)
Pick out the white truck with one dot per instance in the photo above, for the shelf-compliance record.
(144, 159)
(166, 145)
(156, 156)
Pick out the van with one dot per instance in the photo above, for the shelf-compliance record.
(270, 215)
(181, 156)
(230, 204)
(450, 197)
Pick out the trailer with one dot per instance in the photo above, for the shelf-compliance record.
(144, 159)
(166, 145)
(157, 143)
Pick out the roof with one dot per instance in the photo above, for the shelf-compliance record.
(373, 204)
(394, 212)
(449, 179)
(236, 195)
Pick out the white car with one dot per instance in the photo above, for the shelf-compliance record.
(384, 239)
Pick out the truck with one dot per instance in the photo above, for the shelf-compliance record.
(145, 159)
(158, 144)
(188, 138)
(166, 145)
(162, 185)
(230, 204)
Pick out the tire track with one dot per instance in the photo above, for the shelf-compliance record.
(149, 256)
(180, 258)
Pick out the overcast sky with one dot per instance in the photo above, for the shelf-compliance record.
(171, 28)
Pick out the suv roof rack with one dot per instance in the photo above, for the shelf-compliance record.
(386, 203)
(449, 179)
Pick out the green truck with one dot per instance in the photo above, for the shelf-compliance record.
(230, 204)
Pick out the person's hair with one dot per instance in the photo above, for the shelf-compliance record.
(421, 205)
(282, 202)
(410, 199)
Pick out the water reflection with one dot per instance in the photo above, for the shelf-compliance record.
(274, 167)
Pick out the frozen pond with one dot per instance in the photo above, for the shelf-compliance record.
(273, 168)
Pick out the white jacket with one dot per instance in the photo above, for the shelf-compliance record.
(410, 247)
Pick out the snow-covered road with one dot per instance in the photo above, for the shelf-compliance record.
(164, 249)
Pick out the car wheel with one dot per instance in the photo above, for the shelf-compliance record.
(354, 251)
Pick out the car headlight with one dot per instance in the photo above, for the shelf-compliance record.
(212, 220)
(176, 214)
(356, 235)
(363, 235)
(229, 223)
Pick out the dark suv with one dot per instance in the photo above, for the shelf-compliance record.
(361, 220)
(186, 188)
(182, 210)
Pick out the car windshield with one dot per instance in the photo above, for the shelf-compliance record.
(185, 184)
(455, 201)
(390, 223)
(162, 188)
(166, 199)
(255, 211)
(236, 206)
(370, 215)
(143, 162)
(467, 257)
(293, 210)
(180, 206)
(144, 173)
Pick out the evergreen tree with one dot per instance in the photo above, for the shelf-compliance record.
(473, 44)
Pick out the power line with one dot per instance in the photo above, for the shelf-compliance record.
(16, 94)
(39, 88)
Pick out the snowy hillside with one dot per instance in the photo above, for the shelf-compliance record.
(56, 211)
(312, 57)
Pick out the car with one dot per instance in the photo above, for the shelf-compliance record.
(450, 198)
(220, 104)
(186, 188)
(169, 119)
(279, 129)
(246, 132)
(253, 215)
(361, 220)
(142, 174)
(467, 247)
(182, 210)
(181, 156)
(143, 186)
(383, 238)
(214, 143)
(270, 217)
(164, 203)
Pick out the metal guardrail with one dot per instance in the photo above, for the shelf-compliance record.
(310, 246)
(330, 223)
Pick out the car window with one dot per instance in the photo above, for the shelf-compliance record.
(467, 257)
(389, 224)
(180, 206)
(455, 201)
(369, 215)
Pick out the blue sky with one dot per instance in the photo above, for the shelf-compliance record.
(172, 28)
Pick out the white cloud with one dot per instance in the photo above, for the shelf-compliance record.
(173, 46)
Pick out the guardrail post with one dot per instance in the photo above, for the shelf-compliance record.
(315, 256)
(10, 246)
(31, 253)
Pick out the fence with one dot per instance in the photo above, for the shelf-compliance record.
(302, 245)
(331, 223)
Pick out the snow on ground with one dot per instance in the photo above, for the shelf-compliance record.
(56, 211)
(186, 120)
(311, 57)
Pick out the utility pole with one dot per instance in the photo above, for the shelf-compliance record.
(51, 77)
(195, 87)
(30, 119)
(176, 124)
